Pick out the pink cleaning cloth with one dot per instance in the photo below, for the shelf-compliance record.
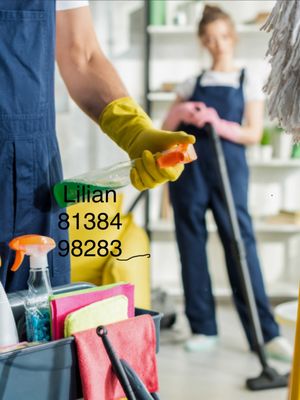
(61, 307)
(133, 340)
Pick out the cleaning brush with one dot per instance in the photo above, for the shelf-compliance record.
(283, 85)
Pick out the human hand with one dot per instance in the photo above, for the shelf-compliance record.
(188, 111)
(207, 115)
(131, 128)
(226, 129)
(146, 174)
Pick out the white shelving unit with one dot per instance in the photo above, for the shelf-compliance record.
(277, 292)
(161, 96)
(276, 163)
(170, 29)
(191, 30)
(165, 231)
(175, 55)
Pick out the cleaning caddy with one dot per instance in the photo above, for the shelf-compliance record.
(50, 370)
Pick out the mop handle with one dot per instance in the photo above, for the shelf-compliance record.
(137, 384)
(116, 364)
(239, 244)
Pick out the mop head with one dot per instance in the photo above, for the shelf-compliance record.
(283, 85)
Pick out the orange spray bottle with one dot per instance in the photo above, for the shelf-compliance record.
(39, 287)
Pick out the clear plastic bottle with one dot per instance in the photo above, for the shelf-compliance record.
(73, 190)
(37, 308)
(110, 178)
(37, 305)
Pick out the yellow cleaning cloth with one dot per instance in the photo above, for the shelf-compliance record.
(108, 311)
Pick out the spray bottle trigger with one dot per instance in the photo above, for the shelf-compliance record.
(179, 154)
(18, 260)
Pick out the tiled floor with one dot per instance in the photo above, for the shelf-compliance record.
(216, 375)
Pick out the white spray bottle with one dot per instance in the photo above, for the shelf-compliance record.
(37, 309)
(8, 330)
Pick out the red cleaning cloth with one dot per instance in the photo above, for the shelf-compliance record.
(133, 340)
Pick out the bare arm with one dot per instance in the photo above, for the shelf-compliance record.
(249, 133)
(252, 129)
(168, 123)
(89, 76)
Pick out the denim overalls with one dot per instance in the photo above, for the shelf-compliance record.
(196, 191)
(29, 156)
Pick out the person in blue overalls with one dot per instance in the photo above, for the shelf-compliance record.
(231, 100)
(31, 34)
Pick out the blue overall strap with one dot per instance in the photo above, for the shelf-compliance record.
(197, 85)
(199, 78)
(242, 77)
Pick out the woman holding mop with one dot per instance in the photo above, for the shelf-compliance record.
(231, 100)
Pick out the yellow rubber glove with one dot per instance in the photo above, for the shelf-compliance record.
(146, 174)
(126, 123)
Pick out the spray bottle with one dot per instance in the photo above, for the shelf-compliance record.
(37, 310)
(70, 191)
(8, 330)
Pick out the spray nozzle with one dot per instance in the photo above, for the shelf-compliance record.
(30, 245)
(179, 154)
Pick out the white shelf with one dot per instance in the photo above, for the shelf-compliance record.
(286, 313)
(171, 29)
(165, 231)
(263, 227)
(192, 30)
(275, 163)
(283, 289)
(161, 96)
(280, 290)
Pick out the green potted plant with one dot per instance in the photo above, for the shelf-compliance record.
(296, 150)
